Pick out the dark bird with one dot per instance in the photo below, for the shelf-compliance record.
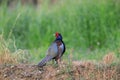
(55, 51)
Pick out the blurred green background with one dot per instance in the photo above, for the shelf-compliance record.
(90, 28)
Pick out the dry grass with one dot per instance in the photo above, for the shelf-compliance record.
(106, 69)
(109, 58)
(97, 71)
(8, 57)
(84, 71)
(5, 54)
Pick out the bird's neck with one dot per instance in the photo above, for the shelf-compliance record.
(58, 39)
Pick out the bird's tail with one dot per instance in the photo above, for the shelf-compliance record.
(44, 61)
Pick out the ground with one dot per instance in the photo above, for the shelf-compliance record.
(77, 70)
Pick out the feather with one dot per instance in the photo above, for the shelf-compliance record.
(55, 51)
(44, 61)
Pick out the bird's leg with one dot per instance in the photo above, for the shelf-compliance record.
(59, 58)
(59, 62)
(56, 63)
(56, 60)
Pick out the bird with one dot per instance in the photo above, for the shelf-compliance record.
(55, 51)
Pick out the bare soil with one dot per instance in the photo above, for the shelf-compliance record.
(76, 71)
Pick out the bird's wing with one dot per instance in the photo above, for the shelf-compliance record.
(53, 50)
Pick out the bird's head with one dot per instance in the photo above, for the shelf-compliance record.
(58, 36)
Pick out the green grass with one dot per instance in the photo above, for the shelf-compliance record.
(89, 26)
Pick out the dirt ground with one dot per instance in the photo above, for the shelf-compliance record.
(75, 71)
